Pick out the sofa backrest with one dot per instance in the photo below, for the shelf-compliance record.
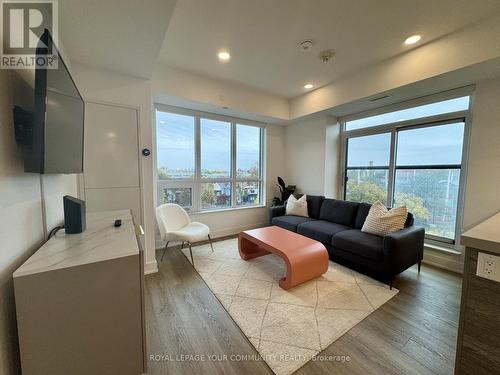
(339, 211)
(362, 213)
(314, 203)
(363, 210)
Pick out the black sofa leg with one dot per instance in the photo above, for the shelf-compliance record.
(390, 284)
(419, 264)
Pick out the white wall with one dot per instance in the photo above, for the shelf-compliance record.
(312, 155)
(179, 88)
(22, 221)
(55, 187)
(305, 154)
(482, 198)
(106, 86)
(332, 159)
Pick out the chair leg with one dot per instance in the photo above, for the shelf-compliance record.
(390, 284)
(210, 240)
(182, 245)
(419, 265)
(191, 252)
(164, 251)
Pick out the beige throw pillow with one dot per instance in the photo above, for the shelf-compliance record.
(381, 221)
(297, 207)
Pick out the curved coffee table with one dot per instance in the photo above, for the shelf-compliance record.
(305, 258)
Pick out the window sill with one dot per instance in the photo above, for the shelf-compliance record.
(226, 209)
(441, 248)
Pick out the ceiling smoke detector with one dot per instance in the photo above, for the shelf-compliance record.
(326, 55)
(306, 45)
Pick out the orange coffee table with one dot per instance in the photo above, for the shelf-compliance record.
(305, 258)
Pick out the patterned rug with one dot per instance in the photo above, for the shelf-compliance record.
(288, 327)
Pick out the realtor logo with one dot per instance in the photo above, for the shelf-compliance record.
(23, 23)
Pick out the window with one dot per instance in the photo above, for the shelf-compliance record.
(208, 162)
(416, 162)
(175, 136)
(215, 149)
(428, 176)
(248, 164)
(426, 110)
(215, 164)
(368, 168)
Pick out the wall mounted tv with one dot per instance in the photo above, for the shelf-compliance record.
(48, 116)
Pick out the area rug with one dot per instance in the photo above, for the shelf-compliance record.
(288, 328)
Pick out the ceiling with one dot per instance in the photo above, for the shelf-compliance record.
(121, 35)
(263, 36)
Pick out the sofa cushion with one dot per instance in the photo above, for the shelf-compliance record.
(297, 207)
(314, 203)
(363, 210)
(320, 230)
(381, 221)
(339, 212)
(290, 222)
(360, 243)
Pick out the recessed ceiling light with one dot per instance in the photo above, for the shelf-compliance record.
(224, 56)
(412, 39)
(308, 86)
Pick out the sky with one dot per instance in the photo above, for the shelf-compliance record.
(435, 145)
(175, 142)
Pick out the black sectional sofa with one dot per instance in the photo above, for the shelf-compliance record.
(337, 224)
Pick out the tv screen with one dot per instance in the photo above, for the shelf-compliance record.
(53, 141)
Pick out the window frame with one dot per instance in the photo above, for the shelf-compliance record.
(197, 179)
(423, 122)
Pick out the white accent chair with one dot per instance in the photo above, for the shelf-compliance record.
(175, 225)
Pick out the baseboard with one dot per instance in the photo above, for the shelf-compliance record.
(150, 267)
(443, 260)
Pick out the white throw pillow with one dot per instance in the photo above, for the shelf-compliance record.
(297, 207)
(381, 221)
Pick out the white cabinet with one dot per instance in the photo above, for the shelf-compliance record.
(79, 302)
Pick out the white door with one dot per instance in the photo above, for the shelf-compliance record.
(111, 159)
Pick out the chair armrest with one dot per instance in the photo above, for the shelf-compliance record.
(275, 211)
(404, 248)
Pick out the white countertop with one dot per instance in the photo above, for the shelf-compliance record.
(100, 241)
(484, 236)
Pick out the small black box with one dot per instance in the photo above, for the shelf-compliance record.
(74, 215)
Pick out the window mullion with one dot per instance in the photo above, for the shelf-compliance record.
(262, 168)
(197, 174)
(233, 164)
(392, 169)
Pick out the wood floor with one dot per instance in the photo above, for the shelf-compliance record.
(414, 333)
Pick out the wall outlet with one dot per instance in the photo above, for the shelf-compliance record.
(488, 266)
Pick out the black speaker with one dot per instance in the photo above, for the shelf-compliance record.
(74, 215)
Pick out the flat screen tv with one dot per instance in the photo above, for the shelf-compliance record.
(49, 119)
